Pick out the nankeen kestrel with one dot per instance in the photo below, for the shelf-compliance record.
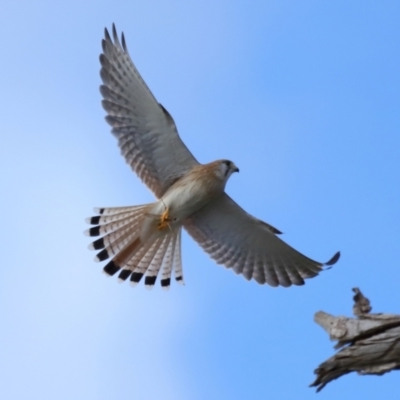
(142, 240)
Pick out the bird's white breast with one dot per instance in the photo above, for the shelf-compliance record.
(188, 195)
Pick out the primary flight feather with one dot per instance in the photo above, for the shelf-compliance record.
(144, 240)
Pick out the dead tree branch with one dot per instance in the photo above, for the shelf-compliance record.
(370, 344)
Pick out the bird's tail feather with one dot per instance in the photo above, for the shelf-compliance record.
(134, 253)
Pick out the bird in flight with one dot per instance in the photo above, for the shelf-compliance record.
(146, 239)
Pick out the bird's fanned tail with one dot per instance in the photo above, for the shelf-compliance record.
(135, 253)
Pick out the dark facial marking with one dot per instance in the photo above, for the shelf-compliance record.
(228, 164)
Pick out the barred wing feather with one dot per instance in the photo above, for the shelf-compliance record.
(146, 133)
(249, 246)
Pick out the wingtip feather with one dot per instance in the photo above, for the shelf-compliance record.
(124, 46)
(107, 35)
(115, 35)
(334, 259)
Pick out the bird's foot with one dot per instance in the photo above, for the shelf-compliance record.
(164, 220)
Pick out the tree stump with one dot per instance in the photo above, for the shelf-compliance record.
(370, 343)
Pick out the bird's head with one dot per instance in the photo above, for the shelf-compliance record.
(225, 169)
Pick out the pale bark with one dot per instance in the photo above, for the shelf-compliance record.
(370, 344)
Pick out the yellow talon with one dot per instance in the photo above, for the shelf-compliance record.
(164, 219)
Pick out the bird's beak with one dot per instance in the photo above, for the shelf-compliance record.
(235, 169)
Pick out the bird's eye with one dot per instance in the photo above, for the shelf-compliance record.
(227, 163)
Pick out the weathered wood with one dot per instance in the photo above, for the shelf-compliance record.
(370, 343)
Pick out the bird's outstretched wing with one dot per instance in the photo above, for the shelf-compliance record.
(249, 246)
(146, 132)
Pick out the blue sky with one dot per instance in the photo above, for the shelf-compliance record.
(303, 96)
